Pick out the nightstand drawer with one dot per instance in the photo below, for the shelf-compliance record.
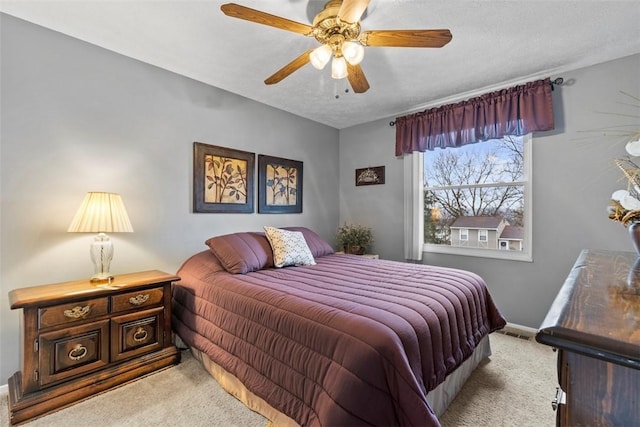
(133, 300)
(73, 351)
(75, 312)
(137, 333)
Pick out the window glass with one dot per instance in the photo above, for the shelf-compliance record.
(476, 191)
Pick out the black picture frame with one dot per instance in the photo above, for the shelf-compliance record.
(279, 185)
(373, 175)
(223, 179)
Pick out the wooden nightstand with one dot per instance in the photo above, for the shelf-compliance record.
(79, 339)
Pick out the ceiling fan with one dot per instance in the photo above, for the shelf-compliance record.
(337, 28)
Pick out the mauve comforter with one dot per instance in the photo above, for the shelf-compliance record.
(347, 342)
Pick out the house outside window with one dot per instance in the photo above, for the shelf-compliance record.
(477, 199)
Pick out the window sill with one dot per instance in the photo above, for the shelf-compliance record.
(482, 253)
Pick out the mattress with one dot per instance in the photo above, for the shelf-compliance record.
(347, 341)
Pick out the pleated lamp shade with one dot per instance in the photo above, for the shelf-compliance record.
(101, 213)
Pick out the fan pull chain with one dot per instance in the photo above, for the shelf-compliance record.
(337, 90)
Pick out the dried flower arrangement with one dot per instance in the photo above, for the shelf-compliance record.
(624, 206)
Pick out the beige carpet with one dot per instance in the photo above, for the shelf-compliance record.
(513, 388)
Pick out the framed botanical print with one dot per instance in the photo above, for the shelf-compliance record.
(222, 179)
(279, 185)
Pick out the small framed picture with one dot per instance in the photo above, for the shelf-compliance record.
(222, 179)
(279, 185)
(370, 176)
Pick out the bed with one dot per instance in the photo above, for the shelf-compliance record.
(331, 339)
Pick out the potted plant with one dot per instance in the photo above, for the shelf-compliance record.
(354, 238)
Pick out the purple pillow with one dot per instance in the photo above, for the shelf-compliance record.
(241, 253)
(318, 246)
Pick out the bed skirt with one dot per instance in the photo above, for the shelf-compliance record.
(439, 398)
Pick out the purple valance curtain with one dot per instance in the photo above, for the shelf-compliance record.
(515, 111)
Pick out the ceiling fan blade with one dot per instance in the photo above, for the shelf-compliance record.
(289, 68)
(352, 10)
(248, 14)
(357, 79)
(406, 38)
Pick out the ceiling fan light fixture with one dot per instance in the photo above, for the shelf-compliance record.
(320, 56)
(339, 67)
(353, 52)
(337, 28)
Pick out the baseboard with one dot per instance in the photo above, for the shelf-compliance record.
(4, 389)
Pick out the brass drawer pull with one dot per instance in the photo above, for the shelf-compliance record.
(139, 300)
(78, 312)
(140, 335)
(78, 352)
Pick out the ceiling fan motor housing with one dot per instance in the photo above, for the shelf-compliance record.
(328, 29)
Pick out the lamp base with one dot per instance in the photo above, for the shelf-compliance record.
(101, 255)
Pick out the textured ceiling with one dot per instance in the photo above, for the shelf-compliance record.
(495, 43)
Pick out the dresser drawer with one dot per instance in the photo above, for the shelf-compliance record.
(75, 312)
(73, 351)
(138, 299)
(137, 333)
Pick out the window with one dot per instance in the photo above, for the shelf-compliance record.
(477, 199)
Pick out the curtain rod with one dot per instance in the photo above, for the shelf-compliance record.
(555, 82)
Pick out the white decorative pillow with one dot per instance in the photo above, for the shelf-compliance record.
(289, 247)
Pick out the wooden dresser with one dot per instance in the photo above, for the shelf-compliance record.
(594, 323)
(80, 339)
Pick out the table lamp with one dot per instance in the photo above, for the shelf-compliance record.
(101, 213)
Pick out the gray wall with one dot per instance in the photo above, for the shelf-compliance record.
(573, 178)
(77, 118)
